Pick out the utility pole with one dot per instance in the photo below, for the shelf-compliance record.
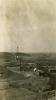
(18, 58)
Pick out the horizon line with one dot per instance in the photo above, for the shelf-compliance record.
(26, 52)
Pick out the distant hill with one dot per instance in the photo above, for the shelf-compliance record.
(39, 58)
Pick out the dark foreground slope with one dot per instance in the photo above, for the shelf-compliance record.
(13, 86)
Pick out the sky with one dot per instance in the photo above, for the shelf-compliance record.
(28, 24)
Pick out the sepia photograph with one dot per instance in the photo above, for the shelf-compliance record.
(27, 49)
